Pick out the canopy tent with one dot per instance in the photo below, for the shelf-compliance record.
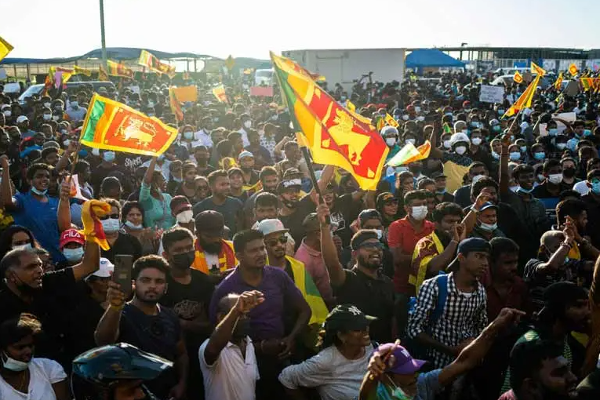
(431, 58)
(112, 53)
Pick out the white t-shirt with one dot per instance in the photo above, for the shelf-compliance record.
(581, 187)
(43, 373)
(231, 377)
(334, 376)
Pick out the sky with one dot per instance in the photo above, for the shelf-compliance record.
(242, 28)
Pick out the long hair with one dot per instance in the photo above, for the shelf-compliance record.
(7, 235)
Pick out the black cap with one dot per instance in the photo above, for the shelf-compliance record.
(369, 213)
(289, 183)
(467, 246)
(210, 223)
(347, 317)
(561, 294)
(385, 197)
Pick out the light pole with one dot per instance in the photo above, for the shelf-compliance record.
(461, 45)
(103, 39)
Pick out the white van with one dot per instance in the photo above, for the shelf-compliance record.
(263, 77)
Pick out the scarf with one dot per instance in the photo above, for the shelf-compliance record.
(227, 258)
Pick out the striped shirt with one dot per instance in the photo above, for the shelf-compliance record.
(464, 316)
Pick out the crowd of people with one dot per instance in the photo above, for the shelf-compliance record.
(472, 274)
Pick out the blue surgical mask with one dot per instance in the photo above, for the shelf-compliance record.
(133, 226)
(496, 128)
(525, 191)
(39, 192)
(108, 156)
(515, 156)
(587, 132)
(596, 187)
(495, 155)
(73, 255)
(552, 131)
(539, 155)
(523, 149)
(188, 135)
(501, 111)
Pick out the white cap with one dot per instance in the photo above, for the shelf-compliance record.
(22, 118)
(268, 226)
(389, 129)
(459, 137)
(106, 269)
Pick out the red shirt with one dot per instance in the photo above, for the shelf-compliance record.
(402, 235)
(517, 297)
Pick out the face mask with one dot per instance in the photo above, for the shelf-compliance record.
(133, 226)
(185, 217)
(460, 150)
(108, 156)
(417, 109)
(569, 172)
(596, 187)
(475, 124)
(523, 149)
(419, 212)
(248, 124)
(539, 155)
(379, 233)
(74, 104)
(495, 155)
(541, 177)
(587, 132)
(501, 112)
(110, 225)
(161, 157)
(47, 104)
(151, 104)
(555, 178)
(405, 117)
(47, 117)
(447, 144)
(390, 141)
(55, 117)
(411, 141)
(7, 113)
(289, 203)
(66, 142)
(476, 141)
(25, 246)
(420, 118)
(561, 146)
(39, 192)
(496, 128)
(488, 227)
(515, 156)
(73, 255)
(553, 131)
(188, 135)
(185, 260)
(524, 191)
(13, 365)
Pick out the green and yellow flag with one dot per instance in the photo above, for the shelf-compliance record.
(334, 134)
(409, 153)
(5, 48)
(110, 125)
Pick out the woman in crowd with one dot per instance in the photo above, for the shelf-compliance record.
(337, 371)
(22, 376)
(156, 202)
(132, 218)
(15, 237)
(189, 186)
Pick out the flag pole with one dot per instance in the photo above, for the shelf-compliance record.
(313, 177)
(102, 35)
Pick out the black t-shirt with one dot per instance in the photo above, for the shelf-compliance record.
(373, 297)
(58, 289)
(293, 222)
(345, 211)
(100, 173)
(125, 244)
(190, 301)
(231, 210)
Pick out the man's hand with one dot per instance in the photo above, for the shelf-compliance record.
(65, 189)
(507, 318)
(287, 345)
(323, 213)
(114, 295)
(505, 141)
(177, 392)
(4, 162)
(483, 198)
(382, 359)
(248, 300)
(459, 233)
(574, 232)
(461, 346)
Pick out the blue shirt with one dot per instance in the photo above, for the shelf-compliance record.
(41, 219)
(266, 319)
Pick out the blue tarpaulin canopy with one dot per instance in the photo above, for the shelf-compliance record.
(112, 53)
(431, 58)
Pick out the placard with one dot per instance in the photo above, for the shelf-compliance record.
(261, 91)
(491, 94)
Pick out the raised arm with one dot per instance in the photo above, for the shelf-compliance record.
(435, 152)
(337, 275)
(557, 259)
(150, 172)
(64, 205)
(6, 193)
(442, 260)
(107, 330)
(64, 160)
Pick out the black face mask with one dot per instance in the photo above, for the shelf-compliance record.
(569, 172)
(184, 260)
(289, 204)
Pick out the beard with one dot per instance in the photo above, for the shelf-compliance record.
(210, 247)
(367, 263)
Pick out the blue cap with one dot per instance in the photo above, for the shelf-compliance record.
(486, 205)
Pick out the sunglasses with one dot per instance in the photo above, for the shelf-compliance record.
(273, 242)
(371, 245)
(113, 216)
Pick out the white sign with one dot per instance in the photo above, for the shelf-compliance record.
(135, 89)
(491, 94)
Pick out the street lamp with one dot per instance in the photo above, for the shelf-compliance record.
(103, 39)
(461, 45)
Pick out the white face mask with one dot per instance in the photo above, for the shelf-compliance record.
(555, 178)
(405, 117)
(411, 141)
(488, 227)
(461, 150)
(185, 217)
(13, 365)
(476, 141)
(447, 144)
(417, 109)
(73, 255)
(47, 117)
(25, 246)
(110, 225)
(420, 118)
(7, 113)
(390, 141)
(477, 178)
(55, 117)
(419, 212)
(248, 124)
(47, 104)
(133, 226)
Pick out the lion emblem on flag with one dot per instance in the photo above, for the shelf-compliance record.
(136, 129)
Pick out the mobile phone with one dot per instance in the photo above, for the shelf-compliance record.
(122, 272)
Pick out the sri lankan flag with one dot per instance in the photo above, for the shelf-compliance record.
(92, 226)
(391, 121)
(118, 69)
(219, 93)
(558, 82)
(518, 77)
(5, 48)
(110, 125)
(175, 105)
(335, 136)
(536, 69)
(350, 106)
(524, 101)
(102, 74)
(81, 71)
(409, 153)
(573, 70)
(149, 60)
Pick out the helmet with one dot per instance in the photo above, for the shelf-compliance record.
(99, 369)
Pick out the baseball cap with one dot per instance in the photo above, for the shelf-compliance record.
(179, 204)
(404, 363)
(469, 245)
(311, 223)
(210, 222)
(362, 236)
(245, 153)
(268, 226)
(389, 130)
(486, 205)
(385, 197)
(291, 173)
(347, 317)
(105, 270)
(70, 236)
(290, 183)
(22, 118)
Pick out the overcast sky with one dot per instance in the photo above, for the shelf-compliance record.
(250, 28)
